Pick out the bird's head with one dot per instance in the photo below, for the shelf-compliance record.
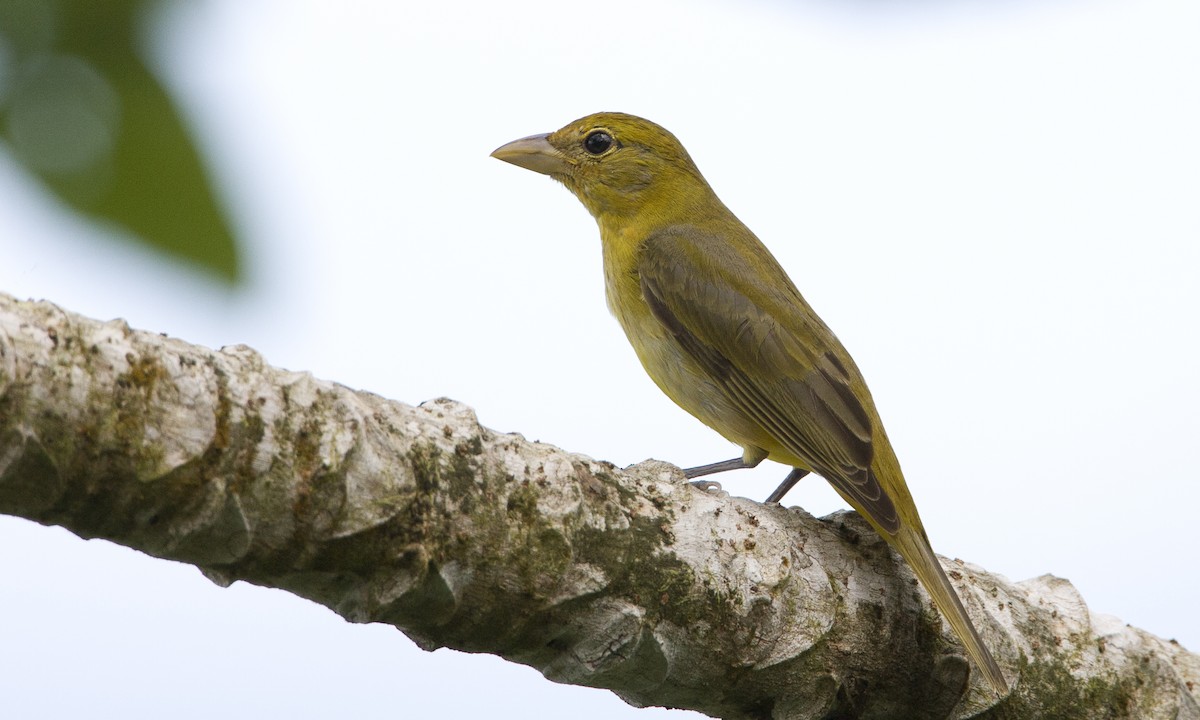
(618, 165)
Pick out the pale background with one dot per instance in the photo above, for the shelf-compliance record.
(995, 205)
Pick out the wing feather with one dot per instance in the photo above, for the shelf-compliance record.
(771, 355)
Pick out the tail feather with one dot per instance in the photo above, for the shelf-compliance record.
(914, 547)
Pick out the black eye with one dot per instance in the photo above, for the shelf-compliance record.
(597, 142)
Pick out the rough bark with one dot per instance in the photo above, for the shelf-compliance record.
(467, 538)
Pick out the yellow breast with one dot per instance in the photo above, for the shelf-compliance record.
(671, 368)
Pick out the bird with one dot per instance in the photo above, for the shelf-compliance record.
(723, 331)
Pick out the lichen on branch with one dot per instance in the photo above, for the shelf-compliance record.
(463, 537)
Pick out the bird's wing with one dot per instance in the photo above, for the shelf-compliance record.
(748, 327)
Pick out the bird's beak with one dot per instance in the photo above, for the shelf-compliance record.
(534, 153)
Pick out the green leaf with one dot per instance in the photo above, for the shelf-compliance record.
(82, 112)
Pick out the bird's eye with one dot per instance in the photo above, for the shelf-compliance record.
(597, 142)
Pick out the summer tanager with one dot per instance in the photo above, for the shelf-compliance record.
(723, 331)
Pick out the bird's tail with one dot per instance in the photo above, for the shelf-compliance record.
(913, 545)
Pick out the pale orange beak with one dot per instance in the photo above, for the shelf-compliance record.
(534, 153)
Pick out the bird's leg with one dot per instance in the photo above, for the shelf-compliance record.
(750, 458)
(792, 478)
(736, 463)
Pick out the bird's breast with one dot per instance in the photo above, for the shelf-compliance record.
(670, 366)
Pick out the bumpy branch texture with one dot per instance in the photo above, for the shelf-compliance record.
(462, 537)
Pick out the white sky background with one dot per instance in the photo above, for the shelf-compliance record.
(995, 205)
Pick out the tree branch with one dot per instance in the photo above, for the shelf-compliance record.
(463, 537)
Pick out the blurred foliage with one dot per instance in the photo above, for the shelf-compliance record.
(80, 110)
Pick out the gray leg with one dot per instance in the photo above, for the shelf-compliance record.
(736, 463)
(792, 478)
(751, 457)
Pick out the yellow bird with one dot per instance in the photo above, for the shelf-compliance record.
(723, 331)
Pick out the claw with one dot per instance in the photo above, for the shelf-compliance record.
(708, 486)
